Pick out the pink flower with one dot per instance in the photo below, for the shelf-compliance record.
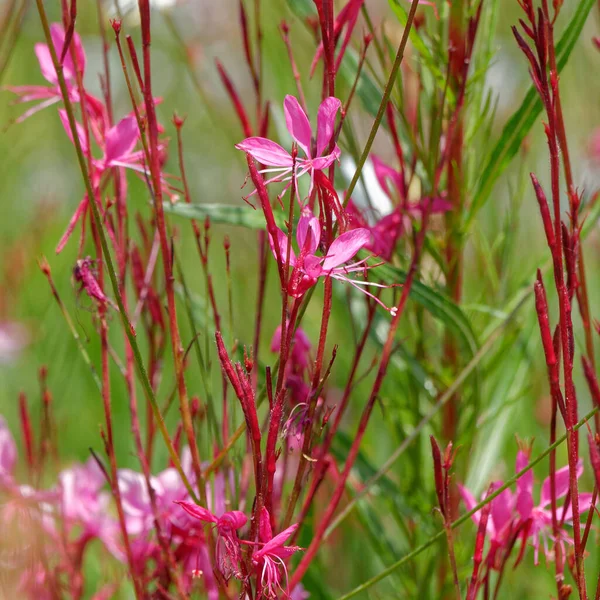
(383, 234)
(501, 522)
(272, 555)
(48, 95)
(8, 454)
(514, 515)
(539, 518)
(228, 544)
(81, 499)
(308, 267)
(317, 149)
(301, 346)
(386, 230)
(14, 337)
(117, 146)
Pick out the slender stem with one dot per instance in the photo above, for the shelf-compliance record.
(384, 100)
(167, 259)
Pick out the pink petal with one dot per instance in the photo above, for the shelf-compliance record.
(585, 503)
(46, 65)
(275, 545)
(8, 450)
(71, 226)
(308, 227)
(199, 512)
(121, 139)
(297, 123)
(345, 247)
(29, 93)
(386, 174)
(439, 204)
(80, 131)
(276, 340)
(561, 483)
(470, 502)
(355, 216)
(266, 152)
(232, 520)
(284, 552)
(58, 40)
(322, 162)
(502, 508)
(282, 243)
(524, 486)
(326, 123)
(265, 533)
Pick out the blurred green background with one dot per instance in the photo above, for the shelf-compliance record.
(40, 186)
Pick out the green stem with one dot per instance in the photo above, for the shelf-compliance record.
(384, 100)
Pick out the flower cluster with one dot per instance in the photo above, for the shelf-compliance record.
(515, 516)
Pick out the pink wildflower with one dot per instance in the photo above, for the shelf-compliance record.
(300, 355)
(539, 518)
(82, 501)
(272, 555)
(8, 454)
(317, 149)
(308, 267)
(117, 146)
(13, 339)
(516, 514)
(501, 522)
(48, 95)
(228, 545)
(386, 230)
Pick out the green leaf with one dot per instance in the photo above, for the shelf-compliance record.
(302, 8)
(226, 214)
(440, 306)
(417, 41)
(522, 120)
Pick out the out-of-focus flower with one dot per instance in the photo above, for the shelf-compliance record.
(270, 558)
(13, 338)
(129, 8)
(386, 228)
(117, 145)
(48, 95)
(8, 454)
(301, 346)
(82, 501)
(319, 156)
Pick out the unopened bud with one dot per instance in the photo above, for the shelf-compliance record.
(178, 121)
(248, 361)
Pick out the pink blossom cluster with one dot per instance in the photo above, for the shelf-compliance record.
(160, 518)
